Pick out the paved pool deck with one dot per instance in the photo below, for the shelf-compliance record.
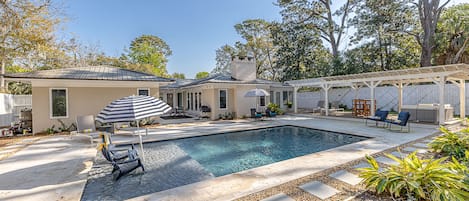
(56, 168)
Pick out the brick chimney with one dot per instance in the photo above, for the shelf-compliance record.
(243, 68)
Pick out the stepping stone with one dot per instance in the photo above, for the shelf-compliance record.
(399, 154)
(346, 177)
(420, 145)
(386, 160)
(409, 149)
(319, 189)
(422, 151)
(427, 141)
(362, 165)
(279, 197)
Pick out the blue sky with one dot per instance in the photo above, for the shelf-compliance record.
(193, 29)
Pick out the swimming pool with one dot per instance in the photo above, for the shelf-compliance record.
(174, 163)
(227, 153)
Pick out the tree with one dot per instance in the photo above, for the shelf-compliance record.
(224, 55)
(429, 14)
(178, 76)
(383, 34)
(256, 32)
(452, 36)
(300, 53)
(320, 16)
(149, 50)
(201, 75)
(26, 28)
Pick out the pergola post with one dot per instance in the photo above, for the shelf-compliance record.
(326, 88)
(295, 107)
(372, 85)
(441, 111)
(462, 99)
(400, 97)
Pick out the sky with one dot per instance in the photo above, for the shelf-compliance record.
(193, 29)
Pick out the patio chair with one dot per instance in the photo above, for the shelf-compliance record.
(380, 116)
(114, 155)
(319, 107)
(121, 168)
(269, 113)
(86, 127)
(402, 121)
(255, 114)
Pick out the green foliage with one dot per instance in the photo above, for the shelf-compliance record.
(452, 35)
(223, 57)
(416, 179)
(51, 130)
(178, 76)
(201, 75)
(381, 36)
(451, 143)
(275, 108)
(152, 51)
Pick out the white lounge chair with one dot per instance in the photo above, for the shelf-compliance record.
(86, 127)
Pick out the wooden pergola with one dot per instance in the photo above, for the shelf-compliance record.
(440, 75)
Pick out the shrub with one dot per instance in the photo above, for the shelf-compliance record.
(274, 108)
(417, 179)
(451, 144)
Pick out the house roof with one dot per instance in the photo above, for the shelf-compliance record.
(90, 73)
(217, 78)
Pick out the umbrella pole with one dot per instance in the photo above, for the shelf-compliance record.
(141, 143)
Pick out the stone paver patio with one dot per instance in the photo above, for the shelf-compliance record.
(219, 188)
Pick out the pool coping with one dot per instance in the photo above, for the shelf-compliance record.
(242, 183)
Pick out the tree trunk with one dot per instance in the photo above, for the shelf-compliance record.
(2, 77)
(429, 14)
(460, 52)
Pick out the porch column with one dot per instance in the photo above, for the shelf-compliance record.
(462, 99)
(295, 100)
(372, 85)
(441, 111)
(326, 88)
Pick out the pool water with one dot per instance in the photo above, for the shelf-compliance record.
(227, 153)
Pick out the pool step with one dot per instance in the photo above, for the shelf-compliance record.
(319, 189)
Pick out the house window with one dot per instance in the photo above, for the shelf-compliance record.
(188, 100)
(196, 104)
(58, 103)
(223, 98)
(143, 91)
(200, 100)
(271, 96)
(192, 101)
(285, 97)
(180, 100)
(169, 99)
(277, 97)
(262, 101)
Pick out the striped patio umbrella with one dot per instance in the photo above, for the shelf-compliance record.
(133, 108)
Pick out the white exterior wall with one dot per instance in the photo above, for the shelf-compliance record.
(386, 96)
(6, 109)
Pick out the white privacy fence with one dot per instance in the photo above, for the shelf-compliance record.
(386, 96)
(11, 107)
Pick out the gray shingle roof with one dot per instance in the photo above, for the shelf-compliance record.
(90, 73)
(218, 78)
